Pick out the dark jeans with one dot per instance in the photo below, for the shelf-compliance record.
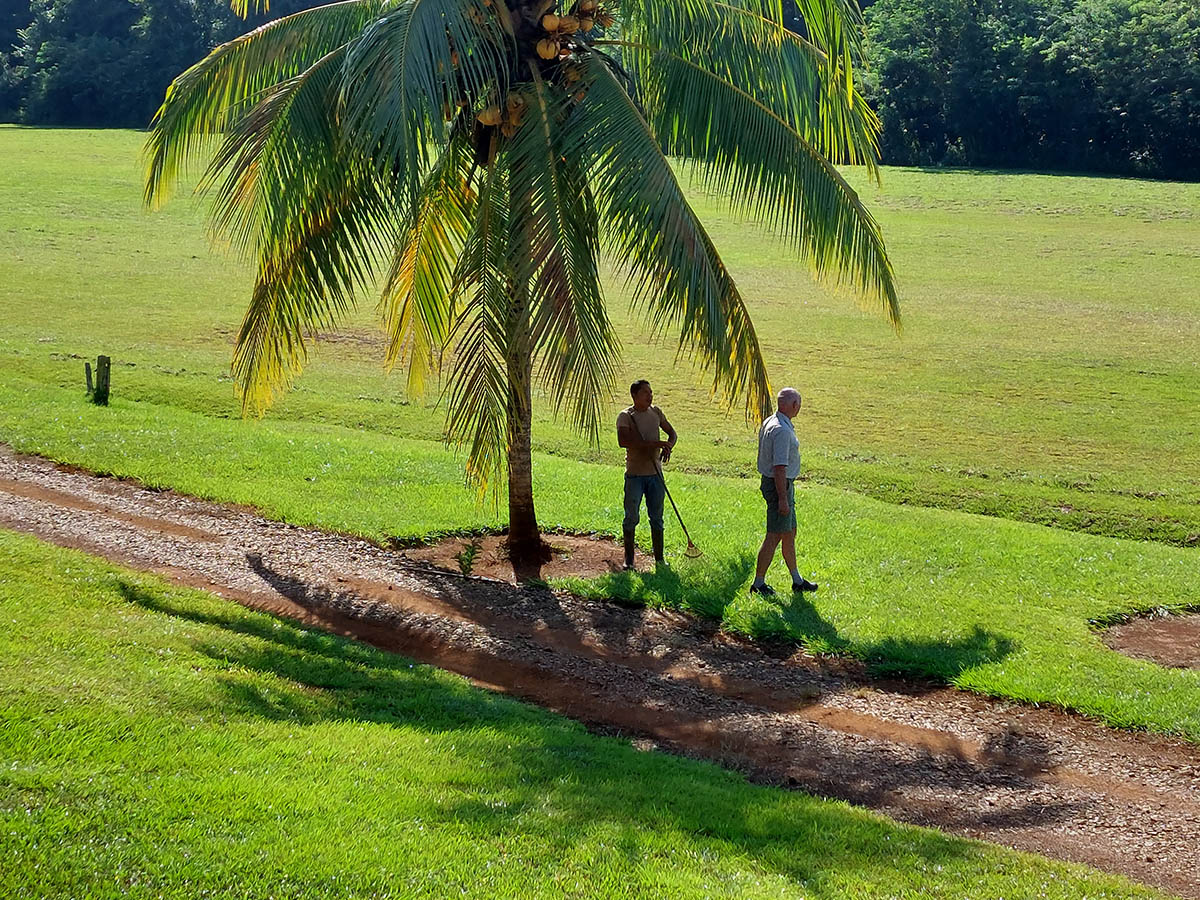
(653, 489)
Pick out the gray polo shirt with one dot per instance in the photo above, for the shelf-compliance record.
(778, 446)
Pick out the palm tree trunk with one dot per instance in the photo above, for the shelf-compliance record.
(526, 549)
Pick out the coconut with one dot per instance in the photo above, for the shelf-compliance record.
(586, 23)
(547, 48)
(568, 24)
(550, 22)
(489, 116)
(588, 6)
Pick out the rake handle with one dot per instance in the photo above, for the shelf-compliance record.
(663, 479)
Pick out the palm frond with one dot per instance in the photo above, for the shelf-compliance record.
(417, 302)
(319, 218)
(677, 274)
(210, 96)
(556, 216)
(409, 72)
(484, 332)
(746, 43)
(742, 149)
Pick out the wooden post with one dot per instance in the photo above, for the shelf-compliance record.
(87, 373)
(100, 397)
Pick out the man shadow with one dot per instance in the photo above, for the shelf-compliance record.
(704, 587)
(795, 620)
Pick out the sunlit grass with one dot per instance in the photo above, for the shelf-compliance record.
(1049, 368)
(992, 605)
(162, 742)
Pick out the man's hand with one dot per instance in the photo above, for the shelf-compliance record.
(666, 452)
(784, 509)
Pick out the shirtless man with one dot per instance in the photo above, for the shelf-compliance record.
(638, 431)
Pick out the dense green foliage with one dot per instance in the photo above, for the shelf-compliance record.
(1083, 85)
(160, 742)
(1106, 85)
(106, 62)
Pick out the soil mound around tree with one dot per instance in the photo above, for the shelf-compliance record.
(486, 556)
(1172, 641)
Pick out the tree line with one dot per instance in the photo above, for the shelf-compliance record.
(1070, 85)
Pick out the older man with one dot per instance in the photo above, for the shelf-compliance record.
(638, 431)
(779, 464)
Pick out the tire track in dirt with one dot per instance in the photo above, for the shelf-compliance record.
(1035, 779)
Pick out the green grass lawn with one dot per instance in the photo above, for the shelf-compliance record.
(992, 605)
(162, 742)
(1049, 370)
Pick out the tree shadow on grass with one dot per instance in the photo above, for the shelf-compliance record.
(582, 794)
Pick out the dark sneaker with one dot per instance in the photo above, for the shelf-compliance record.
(803, 585)
(764, 589)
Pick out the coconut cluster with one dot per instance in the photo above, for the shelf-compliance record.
(584, 16)
(508, 116)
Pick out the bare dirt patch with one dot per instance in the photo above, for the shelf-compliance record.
(1032, 778)
(1172, 641)
(485, 556)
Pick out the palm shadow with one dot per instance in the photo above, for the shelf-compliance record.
(553, 777)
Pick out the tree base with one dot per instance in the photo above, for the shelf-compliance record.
(527, 556)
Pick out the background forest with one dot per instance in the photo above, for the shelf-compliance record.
(1061, 85)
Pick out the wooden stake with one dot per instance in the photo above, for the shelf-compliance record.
(100, 397)
(87, 373)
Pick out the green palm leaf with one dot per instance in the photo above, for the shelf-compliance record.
(209, 97)
(412, 67)
(417, 302)
(571, 332)
(739, 147)
(677, 274)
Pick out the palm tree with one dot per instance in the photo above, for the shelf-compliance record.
(470, 159)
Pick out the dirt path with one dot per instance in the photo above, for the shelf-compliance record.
(1030, 778)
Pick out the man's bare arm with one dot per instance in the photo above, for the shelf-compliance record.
(672, 437)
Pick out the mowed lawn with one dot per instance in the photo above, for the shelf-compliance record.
(965, 411)
(1049, 368)
(162, 742)
(996, 606)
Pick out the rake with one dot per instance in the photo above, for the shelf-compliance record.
(692, 551)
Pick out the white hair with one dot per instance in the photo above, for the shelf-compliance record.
(788, 395)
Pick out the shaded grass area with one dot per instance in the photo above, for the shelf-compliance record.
(162, 742)
(995, 606)
(1048, 372)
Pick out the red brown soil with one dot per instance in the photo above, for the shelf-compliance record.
(581, 555)
(1172, 641)
(1032, 778)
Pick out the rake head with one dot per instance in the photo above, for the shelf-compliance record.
(692, 551)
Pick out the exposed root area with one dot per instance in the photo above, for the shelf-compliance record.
(563, 555)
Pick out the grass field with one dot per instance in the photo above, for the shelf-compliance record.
(161, 742)
(1049, 369)
(1015, 391)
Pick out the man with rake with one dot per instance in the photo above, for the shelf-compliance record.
(639, 431)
